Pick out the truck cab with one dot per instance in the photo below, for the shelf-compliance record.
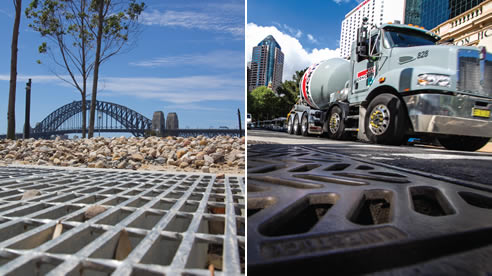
(445, 90)
(398, 83)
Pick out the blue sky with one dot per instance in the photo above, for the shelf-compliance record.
(189, 59)
(307, 31)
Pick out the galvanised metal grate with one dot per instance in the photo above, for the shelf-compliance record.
(15, 172)
(153, 223)
(318, 211)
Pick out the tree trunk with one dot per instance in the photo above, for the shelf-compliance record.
(84, 73)
(84, 115)
(96, 67)
(13, 72)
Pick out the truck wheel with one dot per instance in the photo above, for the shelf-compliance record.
(290, 128)
(304, 125)
(296, 128)
(464, 143)
(385, 120)
(335, 124)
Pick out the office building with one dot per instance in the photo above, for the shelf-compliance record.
(457, 7)
(377, 11)
(471, 28)
(266, 65)
(413, 12)
(433, 13)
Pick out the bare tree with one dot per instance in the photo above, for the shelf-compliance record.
(65, 25)
(84, 33)
(13, 71)
(115, 22)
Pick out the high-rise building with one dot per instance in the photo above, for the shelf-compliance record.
(377, 11)
(413, 12)
(457, 7)
(435, 12)
(267, 64)
(471, 28)
(248, 75)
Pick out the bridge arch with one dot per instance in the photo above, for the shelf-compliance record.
(131, 120)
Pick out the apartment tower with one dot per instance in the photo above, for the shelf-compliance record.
(267, 64)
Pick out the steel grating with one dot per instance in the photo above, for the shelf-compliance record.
(162, 223)
(312, 210)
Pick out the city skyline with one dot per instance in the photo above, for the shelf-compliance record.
(307, 33)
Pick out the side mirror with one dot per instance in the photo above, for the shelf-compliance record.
(362, 50)
(362, 41)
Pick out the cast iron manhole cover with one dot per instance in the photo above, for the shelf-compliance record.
(310, 210)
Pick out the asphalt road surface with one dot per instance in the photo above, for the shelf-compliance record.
(455, 166)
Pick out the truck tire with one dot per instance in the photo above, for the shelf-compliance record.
(290, 127)
(304, 125)
(335, 124)
(296, 125)
(463, 143)
(385, 120)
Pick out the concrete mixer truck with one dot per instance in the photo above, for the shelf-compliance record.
(397, 84)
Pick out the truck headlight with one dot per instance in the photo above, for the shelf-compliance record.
(434, 79)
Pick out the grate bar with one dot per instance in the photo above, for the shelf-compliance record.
(164, 215)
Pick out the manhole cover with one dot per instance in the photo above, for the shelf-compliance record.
(318, 211)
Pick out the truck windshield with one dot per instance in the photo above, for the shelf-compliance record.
(408, 38)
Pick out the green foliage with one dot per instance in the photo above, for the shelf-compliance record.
(42, 48)
(72, 24)
(264, 104)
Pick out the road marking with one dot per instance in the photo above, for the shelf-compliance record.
(442, 156)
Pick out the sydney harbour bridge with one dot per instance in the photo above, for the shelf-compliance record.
(110, 117)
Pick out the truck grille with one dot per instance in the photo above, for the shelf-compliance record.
(468, 71)
(474, 75)
(487, 75)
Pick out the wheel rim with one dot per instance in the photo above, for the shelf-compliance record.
(379, 120)
(334, 122)
(304, 125)
(289, 126)
(296, 125)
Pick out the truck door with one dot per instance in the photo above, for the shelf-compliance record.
(365, 71)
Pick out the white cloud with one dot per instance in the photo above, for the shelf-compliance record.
(311, 38)
(193, 107)
(218, 59)
(341, 1)
(6, 13)
(194, 20)
(38, 78)
(179, 90)
(295, 56)
(292, 31)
